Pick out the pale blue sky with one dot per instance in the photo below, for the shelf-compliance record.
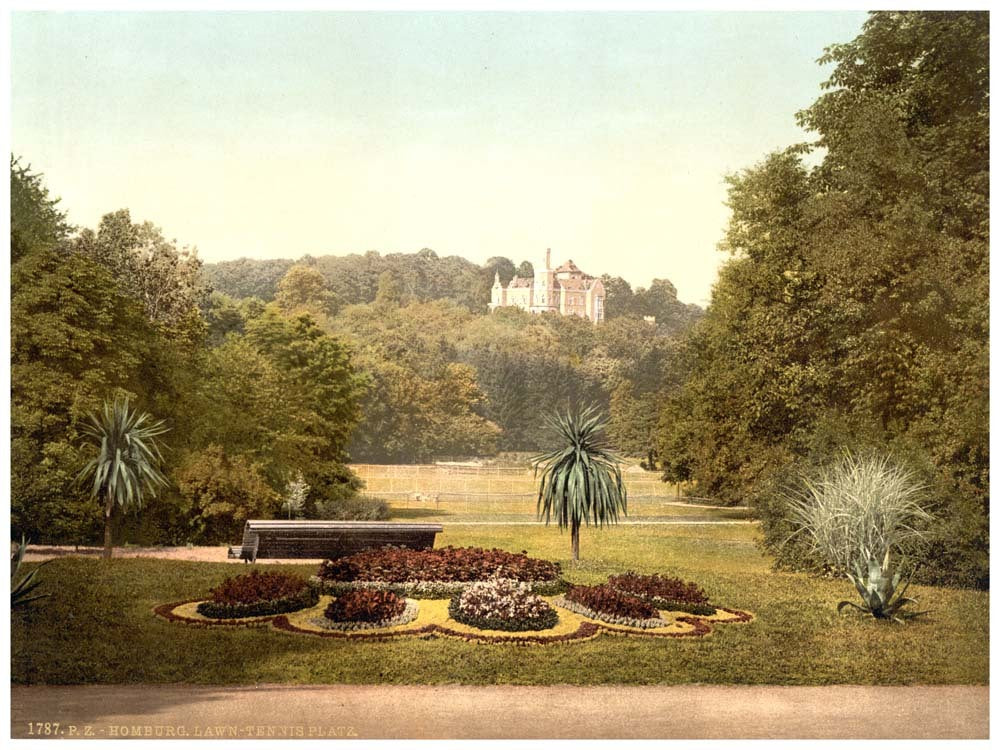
(604, 136)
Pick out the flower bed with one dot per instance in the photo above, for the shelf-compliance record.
(502, 604)
(361, 609)
(258, 594)
(444, 565)
(664, 593)
(427, 589)
(612, 606)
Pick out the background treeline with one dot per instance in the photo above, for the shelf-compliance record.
(424, 276)
(367, 358)
(854, 311)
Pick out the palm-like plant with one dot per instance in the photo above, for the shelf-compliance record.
(126, 466)
(582, 480)
(22, 589)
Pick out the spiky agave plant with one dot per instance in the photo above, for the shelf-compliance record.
(581, 481)
(856, 512)
(22, 589)
(125, 467)
(882, 597)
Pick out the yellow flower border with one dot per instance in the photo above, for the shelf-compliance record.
(433, 620)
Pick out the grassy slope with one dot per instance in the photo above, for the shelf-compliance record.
(98, 627)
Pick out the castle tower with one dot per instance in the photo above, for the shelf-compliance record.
(546, 291)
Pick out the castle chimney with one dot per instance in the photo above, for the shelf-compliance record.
(548, 259)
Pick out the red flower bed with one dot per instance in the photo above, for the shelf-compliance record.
(258, 587)
(610, 601)
(401, 565)
(658, 587)
(365, 605)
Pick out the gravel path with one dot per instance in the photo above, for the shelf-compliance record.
(464, 712)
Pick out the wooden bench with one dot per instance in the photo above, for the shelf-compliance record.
(328, 539)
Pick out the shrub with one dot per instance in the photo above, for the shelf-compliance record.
(258, 594)
(606, 600)
(502, 604)
(365, 605)
(466, 564)
(664, 593)
(356, 508)
(224, 491)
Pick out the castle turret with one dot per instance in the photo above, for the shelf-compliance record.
(498, 295)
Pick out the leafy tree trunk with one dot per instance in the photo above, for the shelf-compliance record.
(575, 535)
(108, 506)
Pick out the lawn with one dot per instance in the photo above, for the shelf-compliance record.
(98, 626)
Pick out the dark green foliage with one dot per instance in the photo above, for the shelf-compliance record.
(22, 588)
(257, 594)
(857, 297)
(365, 605)
(35, 222)
(356, 508)
(222, 493)
(247, 277)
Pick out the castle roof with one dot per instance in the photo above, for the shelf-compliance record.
(568, 266)
(517, 282)
(576, 285)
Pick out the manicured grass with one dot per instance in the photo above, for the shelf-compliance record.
(98, 626)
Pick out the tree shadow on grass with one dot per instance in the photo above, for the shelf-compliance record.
(418, 512)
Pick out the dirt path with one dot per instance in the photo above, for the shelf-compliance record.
(461, 712)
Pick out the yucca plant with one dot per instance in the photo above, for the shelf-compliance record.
(581, 481)
(22, 589)
(125, 467)
(856, 512)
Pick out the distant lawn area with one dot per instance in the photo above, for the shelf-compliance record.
(98, 626)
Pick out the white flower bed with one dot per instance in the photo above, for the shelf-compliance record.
(501, 599)
(632, 622)
(409, 614)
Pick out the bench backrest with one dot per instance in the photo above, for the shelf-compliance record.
(331, 539)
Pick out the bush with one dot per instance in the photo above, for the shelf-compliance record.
(357, 508)
(365, 605)
(502, 604)
(664, 593)
(606, 600)
(446, 564)
(224, 491)
(258, 594)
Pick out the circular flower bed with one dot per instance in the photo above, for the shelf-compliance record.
(612, 606)
(363, 609)
(258, 594)
(664, 593)
(502, 604)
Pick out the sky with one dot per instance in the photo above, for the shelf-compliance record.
(604, 136)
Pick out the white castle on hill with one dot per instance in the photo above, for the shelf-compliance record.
(566, 290)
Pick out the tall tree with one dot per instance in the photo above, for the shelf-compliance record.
(856, 300)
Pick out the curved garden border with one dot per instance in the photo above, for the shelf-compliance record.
(700, 626)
